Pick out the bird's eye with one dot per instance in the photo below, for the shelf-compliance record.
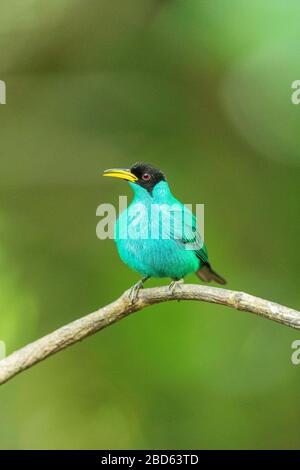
(146, 176)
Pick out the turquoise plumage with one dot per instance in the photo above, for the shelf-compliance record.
(157, 235)
(161, 257)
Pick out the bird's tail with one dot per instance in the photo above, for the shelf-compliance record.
(207, 274)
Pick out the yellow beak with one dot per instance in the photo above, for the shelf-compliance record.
(121, 173)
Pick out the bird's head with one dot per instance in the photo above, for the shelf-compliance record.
(142, 174)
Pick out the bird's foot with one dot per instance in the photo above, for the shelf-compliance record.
(134, 290)
(175, 284)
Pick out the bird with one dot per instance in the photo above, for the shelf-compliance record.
(157, 235)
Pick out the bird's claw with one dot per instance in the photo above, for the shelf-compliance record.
(174, 284)
(134, 291)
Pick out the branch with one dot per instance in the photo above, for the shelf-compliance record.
(79, 329)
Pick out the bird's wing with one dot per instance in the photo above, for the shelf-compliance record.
(182, 226)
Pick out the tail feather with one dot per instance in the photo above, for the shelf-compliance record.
(207, 274)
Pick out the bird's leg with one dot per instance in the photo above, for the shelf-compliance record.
(134, 290)
(174, 284)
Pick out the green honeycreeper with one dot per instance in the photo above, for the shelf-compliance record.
(157, 235)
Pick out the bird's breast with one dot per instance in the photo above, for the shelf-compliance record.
(145, 243)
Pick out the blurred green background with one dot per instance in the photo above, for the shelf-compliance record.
(201, 89)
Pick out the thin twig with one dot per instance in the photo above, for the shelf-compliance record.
(88, 325)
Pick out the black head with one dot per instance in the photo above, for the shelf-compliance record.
(147, 175)
(143, 174)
